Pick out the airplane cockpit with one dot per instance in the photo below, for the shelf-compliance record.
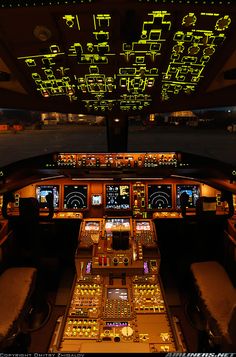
(119, 250)
(121, 222)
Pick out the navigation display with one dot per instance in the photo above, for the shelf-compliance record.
(159, 196)
(117, 197)
(76, 197)
(193, 191)
(43, 191)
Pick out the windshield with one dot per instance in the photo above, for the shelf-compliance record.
(210, 133)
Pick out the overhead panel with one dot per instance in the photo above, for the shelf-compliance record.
(122, 59)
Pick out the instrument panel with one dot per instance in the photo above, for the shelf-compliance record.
(141, 199)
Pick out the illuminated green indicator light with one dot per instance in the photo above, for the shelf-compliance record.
(30, 62)
(93, 69)
(101, 21)
(55, 49)
(101, 36)
(36, 76)
(71, 21)
(140, 59)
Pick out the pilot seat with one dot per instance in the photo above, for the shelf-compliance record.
(217, 303)
(16, 287)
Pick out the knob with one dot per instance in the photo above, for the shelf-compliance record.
(115, 261)
(126, 261)
(127, 331)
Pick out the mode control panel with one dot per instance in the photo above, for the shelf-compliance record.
(118, 160)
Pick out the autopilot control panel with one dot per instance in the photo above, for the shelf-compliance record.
(119, 160)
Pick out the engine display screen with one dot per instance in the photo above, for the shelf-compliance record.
(193, 192)
(76, 197)
(43, 191)
(117, 294)
(117, 197)
(159, 196)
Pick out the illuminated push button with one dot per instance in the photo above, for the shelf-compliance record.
(105, 260)
(100, 260)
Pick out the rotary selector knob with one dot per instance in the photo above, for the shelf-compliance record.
(127, 331)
